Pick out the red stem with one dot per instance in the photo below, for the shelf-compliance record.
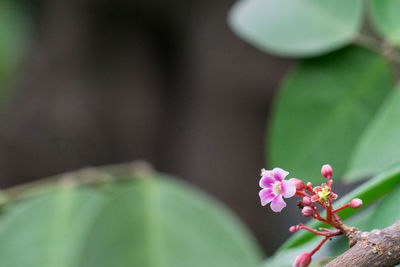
(329, 181)
(309, 188)
(325, 229)
(318, 216)
(319, 246)
(329, 210)
(341, 208)
(301, 193)
(327, 234)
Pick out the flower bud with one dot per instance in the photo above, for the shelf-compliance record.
(326, 171)
(307, 201)
(299, 183)
(307, 211)
(303, 260)
(293, 229)
(355, 203)
(309, 184)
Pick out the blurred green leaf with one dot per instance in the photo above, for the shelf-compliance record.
(368, 192)
(14, 35)
(379, 146)
(297, 28)
(163, 222)
(49, 230)
(147, 220)
(385, 214)
(386, 19)
(322, 109)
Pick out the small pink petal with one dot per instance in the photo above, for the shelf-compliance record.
(266, 196)
(314, 198)
(279, 174)
(288, 188)
(265, 172)
(317, 188)
(266, 181)
(278, 203)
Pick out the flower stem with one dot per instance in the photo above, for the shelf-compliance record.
(329, 233)
(319, 245)
(341, 208)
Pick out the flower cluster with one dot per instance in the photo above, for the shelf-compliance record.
(275, 187)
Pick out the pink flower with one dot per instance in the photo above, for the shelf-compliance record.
(274, 187)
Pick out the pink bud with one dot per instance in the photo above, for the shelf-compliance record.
(299, 183)
(293, 229)
(355, 203)
(326, 171)
(309, 184)
(303, 260)
(307, 211)
(307, 201)
(334, 196)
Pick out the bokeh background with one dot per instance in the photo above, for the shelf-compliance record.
(102, 82)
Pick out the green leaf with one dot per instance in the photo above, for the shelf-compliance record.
(49, 230)
(136, 220)
(14, 33)
(297, 28)
(322, 108)
(167, 223)
(368, 192)
(385, 214)
(385, 18)
(379, 146)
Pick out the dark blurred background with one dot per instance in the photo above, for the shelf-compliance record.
(165, 81)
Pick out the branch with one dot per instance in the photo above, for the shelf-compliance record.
(377, 248)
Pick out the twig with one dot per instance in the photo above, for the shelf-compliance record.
(383, 48)
(86, 176)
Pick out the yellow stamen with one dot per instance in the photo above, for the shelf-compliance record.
(277, 188)
(324, 194)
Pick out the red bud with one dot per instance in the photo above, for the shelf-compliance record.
(303, 260)
(355, 203)
(326, 171)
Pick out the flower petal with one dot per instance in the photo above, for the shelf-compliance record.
(288, 188)
(266, 181)
(315, 198)
(266, 196)
(278, 203)
(279, 174)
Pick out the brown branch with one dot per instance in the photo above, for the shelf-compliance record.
(376, 248)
